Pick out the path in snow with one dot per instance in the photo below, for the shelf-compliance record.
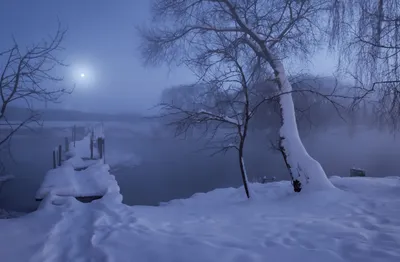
(360, 222)
(77, 236)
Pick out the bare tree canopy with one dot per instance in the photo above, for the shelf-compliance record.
(220, 101)
(289, 28)
(28, 74)
(199, 33)
(367, 34)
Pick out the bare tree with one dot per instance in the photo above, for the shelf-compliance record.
(269, 30)
(319, 102)
(222, 107)
(367, 34)
(28, 74)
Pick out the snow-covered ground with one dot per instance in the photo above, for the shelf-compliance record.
(359, 221)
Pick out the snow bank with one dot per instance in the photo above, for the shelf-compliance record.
(356, 221)
(77, 162)
(65, 181)
(234, 196)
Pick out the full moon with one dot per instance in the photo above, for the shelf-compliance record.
(82, 75)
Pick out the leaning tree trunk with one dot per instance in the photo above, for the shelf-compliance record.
(244, 172)
(305, 171)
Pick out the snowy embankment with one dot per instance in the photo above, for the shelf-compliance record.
(358, 221)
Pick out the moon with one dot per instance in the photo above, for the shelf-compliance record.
(82, 75)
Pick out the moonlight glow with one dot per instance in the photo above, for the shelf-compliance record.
(83, 76)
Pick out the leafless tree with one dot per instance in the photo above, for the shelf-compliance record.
(319, 102)
(367, 34)
(28, 74)
(222, 105)
(273, 31)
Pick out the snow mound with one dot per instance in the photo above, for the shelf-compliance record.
(65, 181)
(234, 196)
(76, 162)
(359, 220)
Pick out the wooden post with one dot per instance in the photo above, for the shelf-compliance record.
(74, 134)
(59, 155)
(66, 144)
(354, 172)
(54, 159)
(100, 147)
(104, 150)
(91, 148)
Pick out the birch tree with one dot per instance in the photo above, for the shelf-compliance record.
(272, 30)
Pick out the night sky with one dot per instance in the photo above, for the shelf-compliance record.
(101, 42)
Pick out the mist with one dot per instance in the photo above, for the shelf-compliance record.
(198, 130)
(152, 166)
(109, 84)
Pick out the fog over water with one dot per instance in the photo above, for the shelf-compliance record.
(152, 166)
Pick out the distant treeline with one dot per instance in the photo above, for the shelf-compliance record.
(20, 114)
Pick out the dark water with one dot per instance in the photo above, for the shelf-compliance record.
(172, 168)
(169, 169)
(32, 158)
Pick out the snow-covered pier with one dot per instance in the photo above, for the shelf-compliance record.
(83, 174)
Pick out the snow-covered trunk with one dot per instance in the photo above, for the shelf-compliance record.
(243, 134)
(244, 174)
(306, 172)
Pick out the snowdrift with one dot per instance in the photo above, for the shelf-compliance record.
(95, 180)
(358, 220)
